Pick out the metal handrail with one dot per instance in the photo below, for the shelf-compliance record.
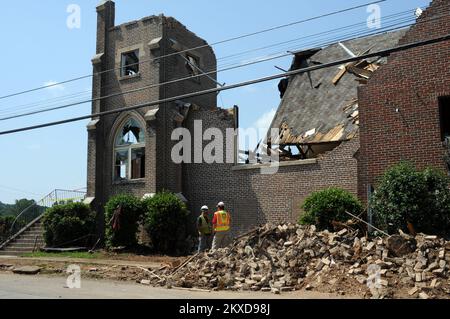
(27, 209)
(55, 197)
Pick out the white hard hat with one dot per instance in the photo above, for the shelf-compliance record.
(221, 204)
(205, 207)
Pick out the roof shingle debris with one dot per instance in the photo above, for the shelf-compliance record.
(322, 106)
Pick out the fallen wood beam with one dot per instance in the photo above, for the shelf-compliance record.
(340, 74)
(192, 289)
(183, 264)
(149, 271)
(360, 72)
(247, 233)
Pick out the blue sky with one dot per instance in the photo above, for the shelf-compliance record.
(38, 48)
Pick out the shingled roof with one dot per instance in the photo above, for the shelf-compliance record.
(314, 109)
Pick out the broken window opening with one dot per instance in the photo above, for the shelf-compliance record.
(193, 65)
(129, 152)
(130, 63)
(282, 86)
(444, 117)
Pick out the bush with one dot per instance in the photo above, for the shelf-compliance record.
(167, 223)
(68, 225)
(406, 195)
(127, 223)
(323, 207)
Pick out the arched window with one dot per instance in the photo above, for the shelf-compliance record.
(129, 151)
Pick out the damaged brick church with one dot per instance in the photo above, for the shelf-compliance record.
(338, 126)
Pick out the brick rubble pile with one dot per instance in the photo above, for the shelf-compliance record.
(292, 257)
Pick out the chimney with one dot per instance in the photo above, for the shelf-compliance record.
(106, 12)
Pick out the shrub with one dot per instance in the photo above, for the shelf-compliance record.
(5, 226)
(167, 223)
(127, 222)
(68, 225)
(406, 195)
(323, 207)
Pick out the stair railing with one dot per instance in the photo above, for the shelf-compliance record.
(33, 213)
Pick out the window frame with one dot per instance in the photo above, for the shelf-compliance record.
(193, 72)
(444, 122)
(129, 149)
(123, 66)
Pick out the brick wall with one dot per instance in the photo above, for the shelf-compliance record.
(411, 81)
(112, 41)
(254, 198)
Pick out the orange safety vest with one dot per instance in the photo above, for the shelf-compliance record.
(222, 221)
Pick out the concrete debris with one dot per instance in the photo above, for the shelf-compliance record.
(292, 257)
(145, 282)
(423, 295)
(413, 291)
(27, 270)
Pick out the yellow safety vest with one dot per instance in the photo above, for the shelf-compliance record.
(204, 228)
(222, 221)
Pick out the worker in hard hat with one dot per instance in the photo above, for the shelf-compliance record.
(221, 224)
(204, 230)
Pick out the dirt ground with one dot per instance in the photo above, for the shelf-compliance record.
(129, 269)
(116, 267)
(136, 269)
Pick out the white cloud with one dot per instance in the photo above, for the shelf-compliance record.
(250, 89)
(263, 123)
(54, 86)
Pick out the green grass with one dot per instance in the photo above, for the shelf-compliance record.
(82, 255)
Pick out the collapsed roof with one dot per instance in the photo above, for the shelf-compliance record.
(322, 106)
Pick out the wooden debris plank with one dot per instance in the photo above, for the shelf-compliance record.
(248, 233)
(192, 289)
(360, 72)
(339, 75)
(149, 271)
(185, 263)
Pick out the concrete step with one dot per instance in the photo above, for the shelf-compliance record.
(10, 253)
(22, 245)
(20, 249)
(28, 236)
(29, 241)
(33, 233)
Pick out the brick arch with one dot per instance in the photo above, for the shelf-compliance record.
(120, 120)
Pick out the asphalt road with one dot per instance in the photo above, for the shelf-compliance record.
(43, 287)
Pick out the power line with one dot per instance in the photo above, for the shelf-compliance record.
(18, 191)
(381, 53)
(9, 115)
(15, 114)
(197, 48)
(384, 19)
(271, 57)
